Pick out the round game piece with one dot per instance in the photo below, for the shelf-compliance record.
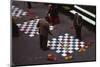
(70, 57)
(64, 54)
(77, 40)
(65, 37)
(86, 46)
(71, 40)
(51, 57)
(51, 27)
(54, 39)
(18, 25)
(60, 36)
(66, 34)
(25, 22)
(31, 21)
(31, 35)
(66, 58)
(71, 37)
(81, 42)
(58, 50)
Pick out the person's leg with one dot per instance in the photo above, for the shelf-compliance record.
(41, 41)
(45, 39)
(29, 5)
(79, 33)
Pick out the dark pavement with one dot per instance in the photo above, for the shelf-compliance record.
(26, 50)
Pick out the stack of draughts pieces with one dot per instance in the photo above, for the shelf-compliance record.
(30, 27)
(65, 44)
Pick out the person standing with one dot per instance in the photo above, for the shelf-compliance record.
(29, 5)
(43, 26)
(78, 25)
(15, 29)
(53, 14)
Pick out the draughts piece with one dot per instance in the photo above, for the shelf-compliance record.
(51, 27)
(58, 50)
(64, 54)
(24, 13)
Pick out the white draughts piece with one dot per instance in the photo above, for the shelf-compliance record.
(58, 51)
(70, 51)
(26, 32)
(64, 48)
(71, 40)
(77, 40)
(65, 42)
(37, 20)
(52, 48)
(64, 54)
(28, 29)
(70, 48)
(12, 7)
(18, 25)
(15, 10)
(37, 33)
(24, 13)
(66, 34)
(25, 23)
(71, 37)
(49, 41)
(64, 51)
(19, 13)
(54, 39)
(22, 29)
(53, 42)
(82, 44)
(65, 45)
(58, 47)
(76, 48)
(51, 27)
(60, 37)
(30, 25)
(31, 21)
(32, 32)
(65, 37)
(76, 43)
(31, 35)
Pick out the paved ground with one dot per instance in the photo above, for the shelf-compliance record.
(25, 50)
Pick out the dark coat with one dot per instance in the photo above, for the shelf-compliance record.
(78, 21)
(43, 26)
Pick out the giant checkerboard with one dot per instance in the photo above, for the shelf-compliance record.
(65, 44)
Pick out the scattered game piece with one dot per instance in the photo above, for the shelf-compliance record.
(51, 57)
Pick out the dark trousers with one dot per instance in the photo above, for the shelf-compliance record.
(15, 30)
(43, 42)
(29, 5)
(78, 32)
